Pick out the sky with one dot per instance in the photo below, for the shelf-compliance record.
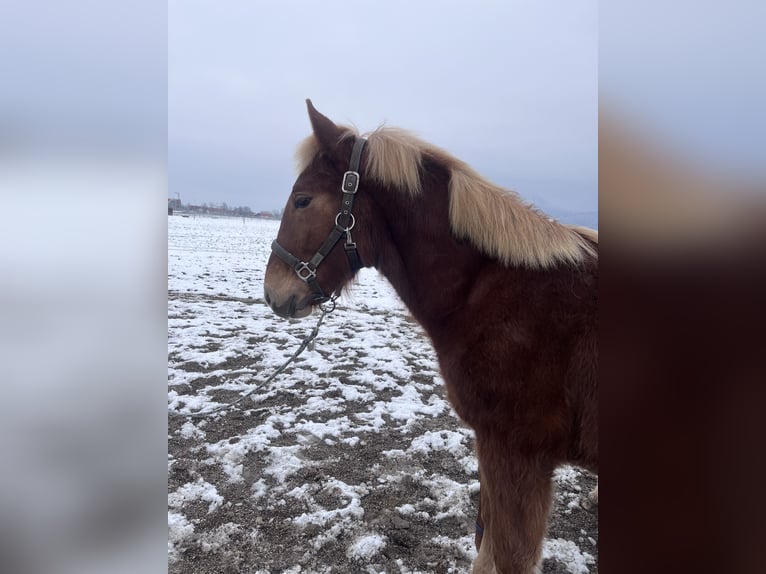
(691, 74)
(509, 87)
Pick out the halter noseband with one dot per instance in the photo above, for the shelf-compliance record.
(344, 223)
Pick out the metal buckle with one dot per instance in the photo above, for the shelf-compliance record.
(350, 182)
(311, 273)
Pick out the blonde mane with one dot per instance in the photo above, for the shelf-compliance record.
(497, 221)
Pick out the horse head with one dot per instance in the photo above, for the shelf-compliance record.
(316, 253)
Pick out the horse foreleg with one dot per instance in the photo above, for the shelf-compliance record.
(515, 501)
(484, 563)
(479, 523)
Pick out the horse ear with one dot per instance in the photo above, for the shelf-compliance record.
(327, 133)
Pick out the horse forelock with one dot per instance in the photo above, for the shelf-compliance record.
(497, 221)
(306, 152)
(394, 156)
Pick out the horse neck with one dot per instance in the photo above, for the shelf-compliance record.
(431, 270)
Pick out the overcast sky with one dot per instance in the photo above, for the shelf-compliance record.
(691, 72)
(508, 86)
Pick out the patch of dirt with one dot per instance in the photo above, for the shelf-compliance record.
(278, 545)
(304, 474)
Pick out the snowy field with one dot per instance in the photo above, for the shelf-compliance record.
(350, 461)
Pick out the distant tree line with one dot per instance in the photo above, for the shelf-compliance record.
(223, 209)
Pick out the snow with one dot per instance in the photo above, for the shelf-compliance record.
(191, 492)
(212, 541)
(351, 505)
(188, 430)
(283, 462)
(439, 440)
(179, 530)
(367, 546)
(567, 552)
(372, 374)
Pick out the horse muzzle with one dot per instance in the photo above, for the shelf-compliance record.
(290, 308)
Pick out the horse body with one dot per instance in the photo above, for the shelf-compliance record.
(514, 331)
(507, 339)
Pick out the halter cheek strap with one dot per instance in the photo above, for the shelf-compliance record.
(344, 223)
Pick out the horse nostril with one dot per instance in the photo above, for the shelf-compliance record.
(266, 297)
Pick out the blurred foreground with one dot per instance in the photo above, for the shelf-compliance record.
(683, 368)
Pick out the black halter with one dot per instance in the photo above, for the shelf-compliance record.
(344, 223)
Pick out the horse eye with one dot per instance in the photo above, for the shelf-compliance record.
(301, 202)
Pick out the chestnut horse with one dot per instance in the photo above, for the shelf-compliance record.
(507, 295)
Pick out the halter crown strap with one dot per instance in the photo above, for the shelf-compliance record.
(349, 188)
(356, 154)
(344, 223)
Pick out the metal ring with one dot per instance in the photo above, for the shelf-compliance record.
(327, 306)
(353, 221)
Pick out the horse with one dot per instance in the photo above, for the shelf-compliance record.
(507, 295)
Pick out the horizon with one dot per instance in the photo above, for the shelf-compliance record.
(587, 218)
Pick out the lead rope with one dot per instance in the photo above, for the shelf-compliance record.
(326, 308)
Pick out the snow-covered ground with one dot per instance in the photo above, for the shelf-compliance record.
(350, 461)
